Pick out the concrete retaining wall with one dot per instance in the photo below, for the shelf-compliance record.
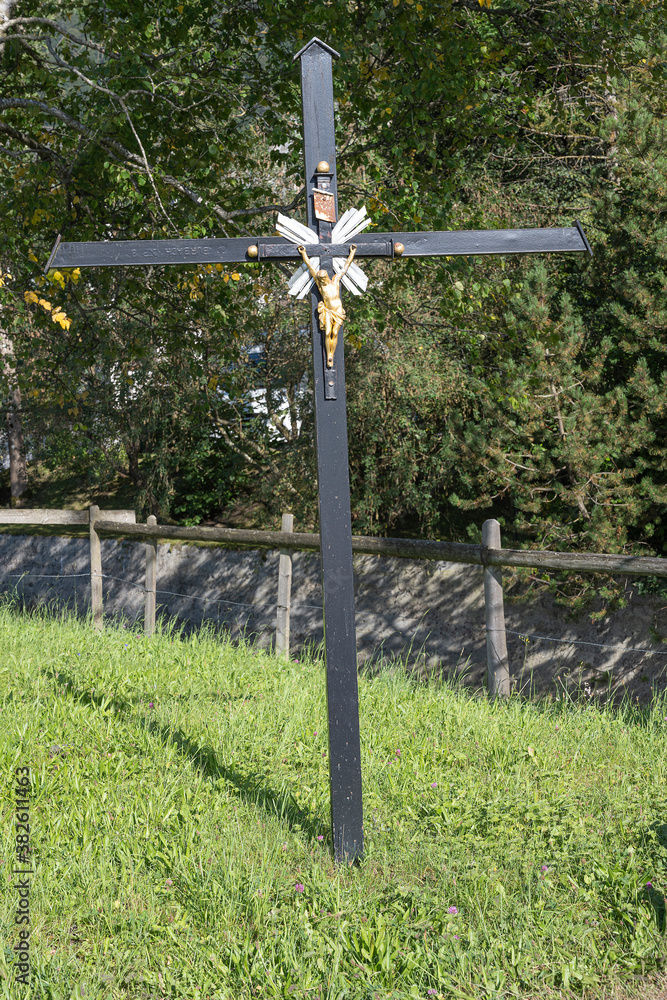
(431, 612)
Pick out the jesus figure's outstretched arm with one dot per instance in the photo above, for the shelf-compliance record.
(306, 260)
(353, 250)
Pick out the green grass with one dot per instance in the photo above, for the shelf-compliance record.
(180, 791)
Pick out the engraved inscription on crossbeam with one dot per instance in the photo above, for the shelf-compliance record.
(173, 249)
(159, 251)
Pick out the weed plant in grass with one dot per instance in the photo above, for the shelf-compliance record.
(181, 845)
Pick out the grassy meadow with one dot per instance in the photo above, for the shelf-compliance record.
(179, 831)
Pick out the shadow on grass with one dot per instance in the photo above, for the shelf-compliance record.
(658, 834)
(254, 788)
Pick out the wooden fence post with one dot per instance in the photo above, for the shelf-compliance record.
(284, 592)
(498, 671)
(95, 569)
(151, 580)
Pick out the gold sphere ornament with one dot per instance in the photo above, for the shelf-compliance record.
(398, 249)
(253, 251)
(322, 167)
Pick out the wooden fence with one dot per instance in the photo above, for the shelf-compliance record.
(490, 555)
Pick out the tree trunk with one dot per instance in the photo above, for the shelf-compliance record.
(6, 11)
(133, 451)
(18, 471)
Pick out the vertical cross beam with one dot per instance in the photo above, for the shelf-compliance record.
(319, 143)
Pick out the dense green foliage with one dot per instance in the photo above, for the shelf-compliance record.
(533, 389)
(179, 817)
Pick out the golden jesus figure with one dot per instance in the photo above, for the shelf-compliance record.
(330, 309)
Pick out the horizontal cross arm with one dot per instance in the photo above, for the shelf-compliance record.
(236, 250)
(113, 253)
(452, 243)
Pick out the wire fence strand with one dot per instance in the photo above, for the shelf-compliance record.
(318, 607)
(582, 642)
(43, 576)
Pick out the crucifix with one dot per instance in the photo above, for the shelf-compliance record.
(328, 248)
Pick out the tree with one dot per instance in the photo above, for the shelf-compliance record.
(157, 120)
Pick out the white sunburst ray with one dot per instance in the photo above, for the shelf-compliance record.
(295, 231)
(301, 282)
(355, 280)
(350, 224)
(338, 231)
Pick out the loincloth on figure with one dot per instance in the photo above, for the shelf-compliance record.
(335, 313)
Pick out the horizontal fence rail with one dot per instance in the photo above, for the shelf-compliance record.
(402, 548)
(53, 518)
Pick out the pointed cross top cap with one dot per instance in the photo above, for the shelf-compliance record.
(317, 41)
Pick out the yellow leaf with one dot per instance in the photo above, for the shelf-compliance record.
(218, 267)
(31, 297)
(225, 278)
(32, 257)
(45, 305)
(236, 276)
(180, 8)
(213, 382)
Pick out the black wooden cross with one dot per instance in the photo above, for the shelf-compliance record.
(319, 145)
